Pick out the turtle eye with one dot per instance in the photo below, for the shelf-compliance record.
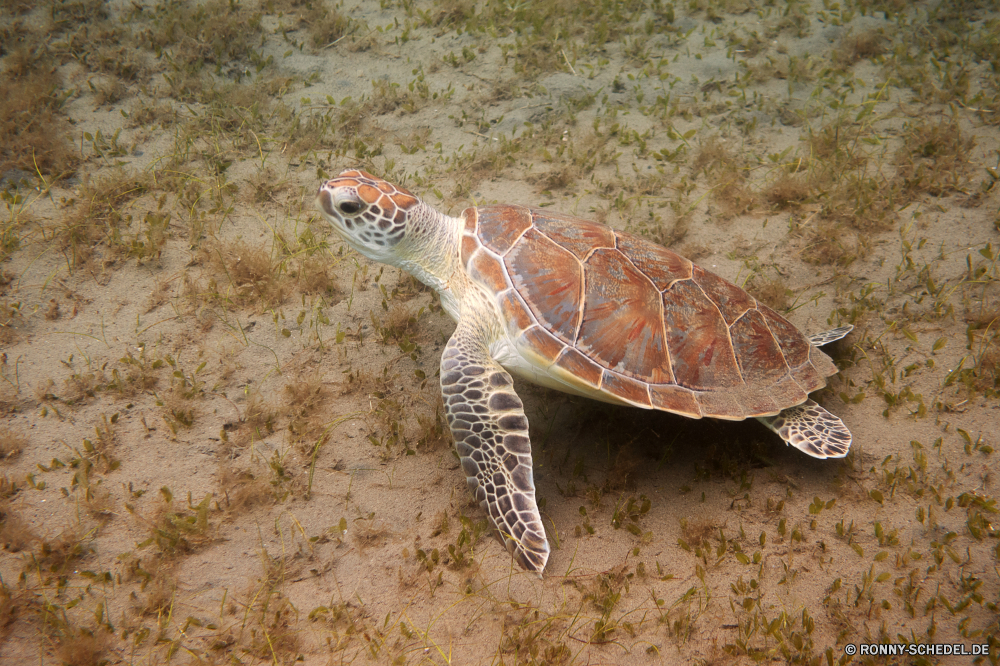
(349, 207)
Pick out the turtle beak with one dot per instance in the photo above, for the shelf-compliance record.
(325, 200)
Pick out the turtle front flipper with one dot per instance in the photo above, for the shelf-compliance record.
(491, 436)
(811, 429)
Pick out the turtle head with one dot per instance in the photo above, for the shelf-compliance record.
(372, 215)
(388, 224)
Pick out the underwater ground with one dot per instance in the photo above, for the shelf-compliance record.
(222, 439)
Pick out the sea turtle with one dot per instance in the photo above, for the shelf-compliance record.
(589, 310)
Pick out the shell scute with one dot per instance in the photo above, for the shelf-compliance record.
(698, 339)
(515, 313)
(579, 237)
(721, 405)
(794, 345)
(786, 391)
(823, 363)
(629, 390)
(551, 281)
(580, 367)
(542, 343)
(732, 301)
(488, 271)
(758, 403)
(760, 358)
(469, 246)
(659, 264)
(673, 398)
(808, 377)
(471, 217)
(634, 344)
(499, 227)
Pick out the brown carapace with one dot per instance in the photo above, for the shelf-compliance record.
(630, 318)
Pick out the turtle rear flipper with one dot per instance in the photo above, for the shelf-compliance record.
(811, 429)
(826, 337)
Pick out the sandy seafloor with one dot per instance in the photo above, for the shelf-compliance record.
(222, 439)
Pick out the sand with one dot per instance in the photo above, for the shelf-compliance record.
(222, 439)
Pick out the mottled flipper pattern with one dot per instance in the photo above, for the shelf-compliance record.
(826, 337)
(491, 437)
(811, 429)
(808, 427)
